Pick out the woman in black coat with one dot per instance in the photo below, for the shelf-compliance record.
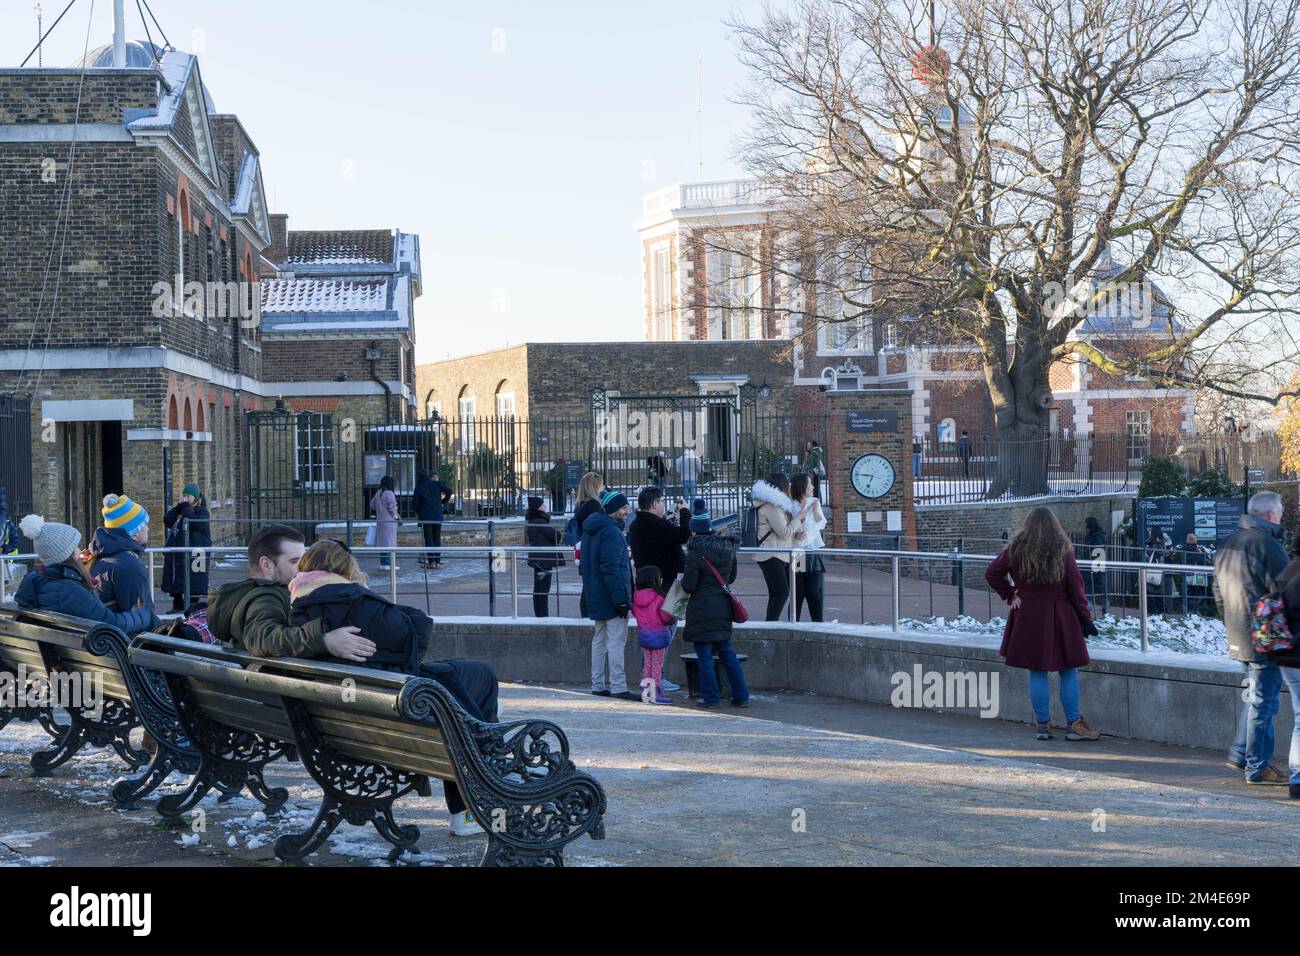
(708, 610)
(190, 512)
(540, 533)
(330, 586)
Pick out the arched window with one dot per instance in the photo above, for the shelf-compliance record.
(198, 416)
(189, 415)
(173, 416)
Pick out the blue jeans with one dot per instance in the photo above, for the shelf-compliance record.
(1040, 695)
(1253, 745)
(709, 692)
(1292, 677)
(916, 465)
(688, 491)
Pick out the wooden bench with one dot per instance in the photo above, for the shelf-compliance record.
(49, 648)
(369, 737)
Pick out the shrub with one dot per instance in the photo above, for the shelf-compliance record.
(1213, 483)
(1161, 476)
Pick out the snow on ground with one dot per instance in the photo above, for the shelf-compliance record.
(1189, 634)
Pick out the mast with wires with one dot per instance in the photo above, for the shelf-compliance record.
(40, 29)
(699, 112)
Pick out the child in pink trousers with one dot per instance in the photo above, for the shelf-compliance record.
(654, 628)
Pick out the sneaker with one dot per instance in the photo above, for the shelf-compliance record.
(1043, 731)
(627, 695)
(1270, 777)
(464, 824)
(663, 699)
(1079, 730)
(666, 685)
(704, 705)
(600, 693)
(1239, 767)
(740, 703)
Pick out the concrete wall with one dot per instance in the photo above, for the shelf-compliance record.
(1170, 698)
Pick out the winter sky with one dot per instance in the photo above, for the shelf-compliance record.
(515, 138)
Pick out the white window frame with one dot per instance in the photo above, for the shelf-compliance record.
(319, 425)
(661, 296)
(432, 408)
(832, 339)
(505, 405)
(1137, 426)
(467, 410)
(735, 293)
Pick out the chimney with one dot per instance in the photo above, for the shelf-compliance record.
(278, 250)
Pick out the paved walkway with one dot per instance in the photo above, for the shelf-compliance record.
(793, 780)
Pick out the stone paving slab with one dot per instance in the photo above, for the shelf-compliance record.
(689, 788)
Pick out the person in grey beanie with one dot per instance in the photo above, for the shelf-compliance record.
(62, 584)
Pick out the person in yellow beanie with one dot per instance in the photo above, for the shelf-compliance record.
(118, 566)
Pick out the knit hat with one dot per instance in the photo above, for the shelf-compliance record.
(119, 511)
(612, 501)
(55, 543)
(192, 490)
(701, 522)
(534, 503)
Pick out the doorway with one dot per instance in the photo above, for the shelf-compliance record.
(110, 458)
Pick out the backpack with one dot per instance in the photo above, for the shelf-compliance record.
(571, 536)
(749, 529)
(194, 627)
(1269, 632)
(10, 537)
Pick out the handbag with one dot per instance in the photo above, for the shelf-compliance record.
(676, 598)
(739, 614)
(1269, 633)
(370, 536)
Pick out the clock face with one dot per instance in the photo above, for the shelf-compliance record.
(873, 476)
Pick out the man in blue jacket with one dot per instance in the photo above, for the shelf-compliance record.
(607, 588)
(431, 498)
(121, 576)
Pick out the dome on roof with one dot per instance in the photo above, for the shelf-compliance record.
(138, 56)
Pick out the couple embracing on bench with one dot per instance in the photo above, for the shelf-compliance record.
(314, 603)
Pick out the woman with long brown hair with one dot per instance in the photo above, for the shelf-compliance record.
(1037, 575)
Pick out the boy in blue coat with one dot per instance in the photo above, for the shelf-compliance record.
(120, 574)
(607, 588)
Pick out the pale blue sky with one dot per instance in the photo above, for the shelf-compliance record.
(515, 138)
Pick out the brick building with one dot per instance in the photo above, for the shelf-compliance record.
(710, 273)
(136, 232)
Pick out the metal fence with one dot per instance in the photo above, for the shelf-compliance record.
(882, 587)
(976, 469)
(315, 466)
(16, 454)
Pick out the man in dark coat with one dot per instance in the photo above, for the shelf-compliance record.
(1289, 661)
(431, 498)
(656, 541)
(187, 526)
(1247, 567)
(1094, 540)
(708, 611)
(607, 587)
(121, 578)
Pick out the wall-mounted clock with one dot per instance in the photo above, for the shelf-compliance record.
(872, 475)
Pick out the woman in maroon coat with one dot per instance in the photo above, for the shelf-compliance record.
(1036, 574)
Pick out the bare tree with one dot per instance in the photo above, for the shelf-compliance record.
(976, 177)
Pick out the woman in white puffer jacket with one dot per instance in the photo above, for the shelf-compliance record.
(778, 526)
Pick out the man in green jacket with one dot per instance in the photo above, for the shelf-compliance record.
(254, 613)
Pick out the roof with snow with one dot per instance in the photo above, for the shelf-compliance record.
(336, 305)
(341, 247)
(1128, 309)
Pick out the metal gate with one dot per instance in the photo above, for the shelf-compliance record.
(711, 445)
(16, 453)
